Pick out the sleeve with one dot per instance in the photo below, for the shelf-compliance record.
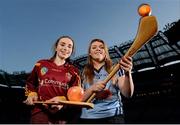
(85, 85)
(121, 72)
(32, 81)
(76, 79)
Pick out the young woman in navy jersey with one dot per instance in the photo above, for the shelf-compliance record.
(108, 106)
(49, 81)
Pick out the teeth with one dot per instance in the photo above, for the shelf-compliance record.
(63, 52)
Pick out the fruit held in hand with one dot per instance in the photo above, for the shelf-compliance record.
(75, 93)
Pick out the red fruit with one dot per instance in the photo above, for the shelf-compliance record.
(75, 93)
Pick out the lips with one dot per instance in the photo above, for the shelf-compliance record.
(98, 53)
(64, 52)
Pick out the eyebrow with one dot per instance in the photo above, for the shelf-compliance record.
(62, 42)
(98, 45)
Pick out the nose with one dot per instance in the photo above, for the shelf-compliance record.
(65, 48)
(98, 49)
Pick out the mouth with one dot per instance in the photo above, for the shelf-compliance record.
(64, 52)
(97, 53)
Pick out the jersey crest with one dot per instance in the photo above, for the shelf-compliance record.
(44, 70)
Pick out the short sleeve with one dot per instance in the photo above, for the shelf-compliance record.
(121, 72)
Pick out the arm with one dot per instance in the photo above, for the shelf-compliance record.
(76, 79)
(96, 87)
(30, 88)
(125, 82)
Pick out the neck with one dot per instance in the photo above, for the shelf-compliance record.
(59, 61)
(98, 65)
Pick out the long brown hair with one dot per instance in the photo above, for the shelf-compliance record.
(55, 46)
(88, 72)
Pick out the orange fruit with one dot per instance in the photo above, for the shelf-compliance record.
(144, 10)
(75, 93)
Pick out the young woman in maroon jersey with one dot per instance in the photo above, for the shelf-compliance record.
(49, 81)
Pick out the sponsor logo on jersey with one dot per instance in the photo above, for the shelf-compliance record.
(48, 82)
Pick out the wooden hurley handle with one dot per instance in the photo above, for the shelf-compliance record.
(147, 29)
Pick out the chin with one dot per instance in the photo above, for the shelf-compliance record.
(101, 58)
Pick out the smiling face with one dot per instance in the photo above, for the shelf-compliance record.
(98, 55)
(97, 51)
(64, 48)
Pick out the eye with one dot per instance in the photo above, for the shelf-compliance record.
(102, 47)
(93, 47)
(70, 46)
(61, 44)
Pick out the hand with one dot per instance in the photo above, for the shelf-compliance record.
(126, 64)
(55, 108)
(31, 98)
(99, 86)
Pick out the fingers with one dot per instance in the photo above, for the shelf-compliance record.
(55, 108)
(126, 63)
(126, 60)
(98, 87)
(30, 100)
(56, 99)
(58, 107)
(32, 96)
(45, 105)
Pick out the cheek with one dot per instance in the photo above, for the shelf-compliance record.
(102, 57)
(58, 48)
(104, 54)
(91, 54)
(70, 51)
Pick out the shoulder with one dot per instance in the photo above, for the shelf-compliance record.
(71, 67)
(42, 61)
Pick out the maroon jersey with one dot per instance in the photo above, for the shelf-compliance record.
(50, 80)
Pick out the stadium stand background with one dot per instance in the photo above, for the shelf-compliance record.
(156, 77)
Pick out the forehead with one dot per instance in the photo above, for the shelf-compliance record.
(97, 43)
(66, 41)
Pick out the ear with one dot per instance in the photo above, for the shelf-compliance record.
(90, 54)
(105, 58)
(56, 49)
